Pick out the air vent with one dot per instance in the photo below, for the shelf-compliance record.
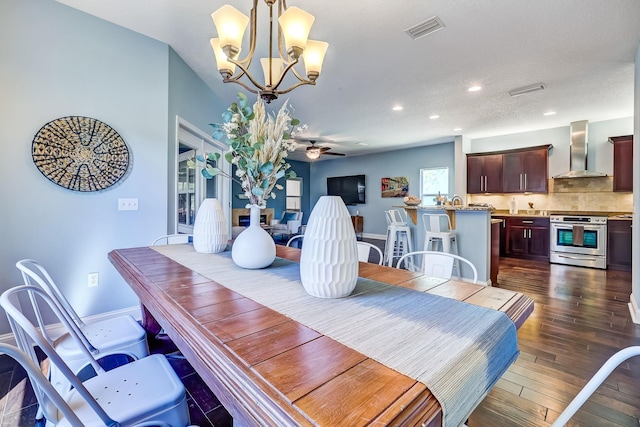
(427, 27)
(526, 89)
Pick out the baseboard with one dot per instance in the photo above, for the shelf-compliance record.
(634, 310)
(56, 329)
(374, 236)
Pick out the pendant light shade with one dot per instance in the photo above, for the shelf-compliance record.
(231, 25)
(314, 57)
(295, 24)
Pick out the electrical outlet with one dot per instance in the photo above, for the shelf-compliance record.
(127, 204)
(92, 280)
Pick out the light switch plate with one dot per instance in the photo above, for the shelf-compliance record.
(127, 204)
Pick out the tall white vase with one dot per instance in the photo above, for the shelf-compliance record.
(210, 233)
(329, 258)
(254, 247)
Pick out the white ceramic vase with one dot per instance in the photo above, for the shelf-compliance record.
(329, 258)
(210, 233)
(254, 247)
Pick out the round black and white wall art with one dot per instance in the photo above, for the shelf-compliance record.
(80, 153)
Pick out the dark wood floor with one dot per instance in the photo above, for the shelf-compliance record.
(580, 319)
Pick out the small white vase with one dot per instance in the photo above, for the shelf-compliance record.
(254, 247)
(210, 228)
(329, 258)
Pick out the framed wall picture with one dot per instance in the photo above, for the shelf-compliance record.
(394, 187)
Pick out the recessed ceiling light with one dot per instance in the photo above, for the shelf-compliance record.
(474, 88)
(435, 116)
(397, 107)
(457, 129)
(549, 113)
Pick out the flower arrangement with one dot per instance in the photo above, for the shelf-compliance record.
(259, 145)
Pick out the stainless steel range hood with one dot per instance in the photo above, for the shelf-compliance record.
(578, 153)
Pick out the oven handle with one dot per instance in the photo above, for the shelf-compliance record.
(570, 227)
(588, 258)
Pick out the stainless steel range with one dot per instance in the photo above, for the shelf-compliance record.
(579, 240)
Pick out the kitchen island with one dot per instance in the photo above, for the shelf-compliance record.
(473, 234)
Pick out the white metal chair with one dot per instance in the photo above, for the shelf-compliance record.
(437, 264)
(440, 236)
(142, 393)
(398, 240)
(364, 251)
(600, 376)
(172, 239)
(294, 238)
(121, 335)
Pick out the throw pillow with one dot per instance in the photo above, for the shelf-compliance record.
(288, 216)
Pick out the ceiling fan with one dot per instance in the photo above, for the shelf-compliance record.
(313, 151)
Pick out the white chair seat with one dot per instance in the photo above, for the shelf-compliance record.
(111, 335)
(132, 392)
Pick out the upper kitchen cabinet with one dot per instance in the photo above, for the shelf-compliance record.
(526, 170)
(484, 173)
(622, 162)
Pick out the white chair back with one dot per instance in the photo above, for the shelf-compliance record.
(437, 264)
(291, 240)
(364, 251)
(172, 239)
(395, 217)
(150, 380)
(436, 223)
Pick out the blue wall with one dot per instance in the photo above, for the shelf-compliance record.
(407, 162)
(58, 61)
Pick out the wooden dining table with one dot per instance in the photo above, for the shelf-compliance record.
(270, 370)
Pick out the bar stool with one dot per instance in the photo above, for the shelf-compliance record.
(440, 236)
(398, 240)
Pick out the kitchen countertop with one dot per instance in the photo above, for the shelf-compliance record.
(611, 215)
(449, 208)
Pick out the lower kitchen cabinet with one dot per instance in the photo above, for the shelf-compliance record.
(528, 237)
(619, 245)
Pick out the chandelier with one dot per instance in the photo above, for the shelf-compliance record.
(293, 32)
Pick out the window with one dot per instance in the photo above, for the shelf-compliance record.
(433, 181)
(293, 189)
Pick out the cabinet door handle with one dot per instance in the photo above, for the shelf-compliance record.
(524, 233)
(520, 181)
(481, 183)
(529, 233)
(527, 222)
(485, 183)
(525, 181)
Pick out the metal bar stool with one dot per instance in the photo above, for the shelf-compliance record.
(440, 236)
(398, 241)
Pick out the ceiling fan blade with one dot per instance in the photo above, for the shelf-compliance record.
(333, 154)
(324, 149)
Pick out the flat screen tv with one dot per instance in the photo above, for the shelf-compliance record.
(350, 188)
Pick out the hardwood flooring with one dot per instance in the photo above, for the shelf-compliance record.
(580, 319)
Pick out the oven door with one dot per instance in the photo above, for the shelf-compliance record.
(565, 238)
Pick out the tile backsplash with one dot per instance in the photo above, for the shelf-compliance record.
(574, 194)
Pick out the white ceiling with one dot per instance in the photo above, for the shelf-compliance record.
(582, 50)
